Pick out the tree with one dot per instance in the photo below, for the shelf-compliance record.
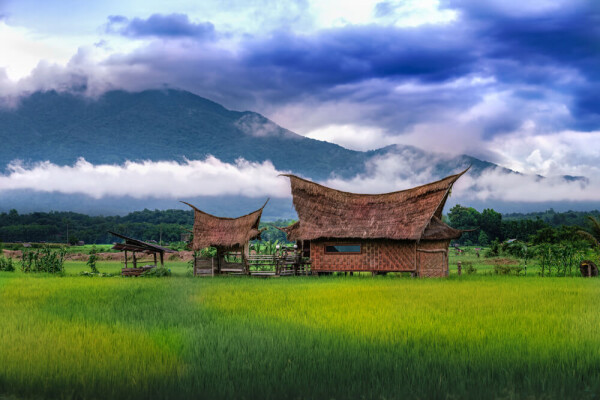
(465, 218)
(491, 223)
(483, 239)
(594, 234)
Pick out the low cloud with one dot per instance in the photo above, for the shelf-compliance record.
(253, 124)
(496, 185)
(163, 179)
(404, 170)
(212, 177)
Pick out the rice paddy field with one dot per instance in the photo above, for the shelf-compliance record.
(386, 337)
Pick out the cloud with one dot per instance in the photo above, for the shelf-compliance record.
(209, 177)
(392, 171)
(473, 73)
(404, 170)
(256, 125)
(496, 185)
(158, 25)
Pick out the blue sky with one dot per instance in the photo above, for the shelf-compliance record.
(513, 82)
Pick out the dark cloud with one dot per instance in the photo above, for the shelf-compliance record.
(539, 63)
(358, 53)
(158, 25)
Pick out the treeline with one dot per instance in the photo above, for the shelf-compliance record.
(174, 225)
(63, 227)
(167, 226)
(539, 227)
(555, 219)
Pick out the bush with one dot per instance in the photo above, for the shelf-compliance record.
(91, 262)
(507, 270)
(6, 264)
(43, 260)
(469, 268)
(494, 250)
(157, 272)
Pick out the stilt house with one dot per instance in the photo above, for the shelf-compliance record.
(227, 235)
(392, 232)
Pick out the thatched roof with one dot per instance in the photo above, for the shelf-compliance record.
(210, 230)
(132, 244)
(411, 214)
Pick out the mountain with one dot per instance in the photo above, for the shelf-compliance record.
(173, 125)
(161, 125)
(158, 125)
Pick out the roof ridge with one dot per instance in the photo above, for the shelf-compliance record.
(453, 177)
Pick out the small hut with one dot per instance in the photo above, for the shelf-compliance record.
(392, 232)
(137, 246)
(230, 236)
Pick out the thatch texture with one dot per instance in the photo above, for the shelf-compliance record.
(438, 230)
(404, 215)
(210, 230)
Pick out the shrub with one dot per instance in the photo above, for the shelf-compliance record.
(468, 268)
(91, 262)
(507, 269)
(494, 250)
(157, 272)
(43, 260)
(6, 264)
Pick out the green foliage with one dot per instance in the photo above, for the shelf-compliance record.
(157, 272)
(468, 268)
(43, 260)
(92, 274)
(208, 252)
(91, 262)
(507, 269)
(560, 259)
(483, 239)
(6, 264)
(52, 226)
(494, 250)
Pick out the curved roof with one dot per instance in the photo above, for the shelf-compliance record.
(210, 230)
(404, 215)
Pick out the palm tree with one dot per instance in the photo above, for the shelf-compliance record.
(594, 235)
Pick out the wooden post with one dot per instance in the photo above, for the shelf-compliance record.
(162, 260)
(155, 259)
(134, 260)
(125, 258)
(459, 265)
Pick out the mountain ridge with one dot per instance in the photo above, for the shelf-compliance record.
(159, 125)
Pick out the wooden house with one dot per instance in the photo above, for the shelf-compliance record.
(230, 236)
(393, 232)
(136, 246)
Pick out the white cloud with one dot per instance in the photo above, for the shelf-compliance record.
(498, 185)
(21, 51)
(212, 177)
(353, 136)
(162, 179)
(550, 154)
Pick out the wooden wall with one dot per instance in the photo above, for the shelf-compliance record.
(427, 258)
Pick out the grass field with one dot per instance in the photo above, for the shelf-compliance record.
(328, 337)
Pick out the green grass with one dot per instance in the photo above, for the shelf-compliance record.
(327, 337)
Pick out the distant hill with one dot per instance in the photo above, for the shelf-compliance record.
(170, 125)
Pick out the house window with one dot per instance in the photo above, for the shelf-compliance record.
(342, 249)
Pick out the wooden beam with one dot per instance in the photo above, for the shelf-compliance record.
(125, 258)
(154, 259)
(162, 259)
